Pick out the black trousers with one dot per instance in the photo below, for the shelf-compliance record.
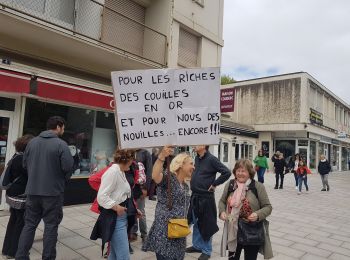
(13, 231)
(250, 252)
(48, 208)
(277, 176)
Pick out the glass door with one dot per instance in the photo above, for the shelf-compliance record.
(5, 144)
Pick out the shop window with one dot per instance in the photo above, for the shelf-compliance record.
(7, 104)
(312, 154)
(90, 134)
(344, 157)
(287, 147)
(225, 152)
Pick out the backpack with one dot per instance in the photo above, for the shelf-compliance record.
(139, 173)
(5, 182)
(95, 179)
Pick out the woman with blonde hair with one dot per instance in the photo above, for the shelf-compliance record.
(244, 206)
(181, 169)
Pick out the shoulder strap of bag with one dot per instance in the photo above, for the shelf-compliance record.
(169, 197)
(253, 189)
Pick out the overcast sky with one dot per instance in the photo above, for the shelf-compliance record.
(270, 37)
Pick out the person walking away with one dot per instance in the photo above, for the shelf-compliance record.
(302, 172)
(324, 169)
(113, 196)
(136, 193)
(49, 164)
(261, 165)
(181, 169)
(152, 189)
(293, 165)
(15, 194)
(244, 199)
(280, 165)
(143, 156)
(202, 212)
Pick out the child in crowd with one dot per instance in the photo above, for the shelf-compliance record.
(302, 172)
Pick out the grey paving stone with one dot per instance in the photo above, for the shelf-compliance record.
(76, 242)
(288, 251)
(335, 249)
(312, 250)
(338, 257)
(331, 241)
(312, 257)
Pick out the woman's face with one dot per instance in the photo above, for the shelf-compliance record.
(301, 163)
(260, 153)
(188, 167)
(125, 166)
(242, 175)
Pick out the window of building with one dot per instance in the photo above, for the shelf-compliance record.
(188, 49)
(90, 134)
(344, 158)
(287, 147)
(225, 152)
(7, 104)
(312, 154)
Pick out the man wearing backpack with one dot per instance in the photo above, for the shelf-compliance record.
(49, 164)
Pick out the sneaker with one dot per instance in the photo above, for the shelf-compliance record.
(203, 257)
(296, 187)
(192, 249)
(323, 189)
(299, 192)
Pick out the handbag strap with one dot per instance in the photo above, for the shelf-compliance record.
(169, 197)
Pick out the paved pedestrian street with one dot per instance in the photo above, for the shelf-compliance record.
(309, 226)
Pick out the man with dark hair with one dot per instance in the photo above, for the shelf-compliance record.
(202, 212)
(49, 164)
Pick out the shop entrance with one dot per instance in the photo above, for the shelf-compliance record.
(5, 146)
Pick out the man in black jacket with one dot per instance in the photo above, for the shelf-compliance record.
(49, 164)
(202, 212)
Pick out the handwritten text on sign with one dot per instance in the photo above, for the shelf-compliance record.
(167, 106)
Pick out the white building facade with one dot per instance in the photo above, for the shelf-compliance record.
(57, 55)
(294, 113)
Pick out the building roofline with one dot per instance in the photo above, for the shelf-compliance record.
(300, 73)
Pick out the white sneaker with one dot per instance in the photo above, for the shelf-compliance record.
(296, 187)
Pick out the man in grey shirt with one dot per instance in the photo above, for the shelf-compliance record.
(49, 164)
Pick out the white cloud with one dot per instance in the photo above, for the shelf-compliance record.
(268, 37)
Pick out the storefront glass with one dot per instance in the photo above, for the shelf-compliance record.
(89, 134)
(344, 157)
(312, 154)
(287, 147)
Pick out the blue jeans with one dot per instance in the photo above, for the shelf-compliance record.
(119, 241)
(197, 240)
(261, 173)
(300, 182)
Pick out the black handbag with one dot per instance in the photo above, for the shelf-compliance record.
(250, 233)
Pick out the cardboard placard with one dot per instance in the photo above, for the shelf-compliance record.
(167, 107)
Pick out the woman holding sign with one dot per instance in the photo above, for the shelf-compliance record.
(173, 201)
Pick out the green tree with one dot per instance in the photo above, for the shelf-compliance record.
(226, 79)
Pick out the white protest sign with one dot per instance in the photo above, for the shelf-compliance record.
(167, 106)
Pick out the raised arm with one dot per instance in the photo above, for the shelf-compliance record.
(157, 172)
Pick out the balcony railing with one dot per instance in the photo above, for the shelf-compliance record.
(96, 21)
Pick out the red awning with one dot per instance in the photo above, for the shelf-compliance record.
(55, 90)
(14, 82)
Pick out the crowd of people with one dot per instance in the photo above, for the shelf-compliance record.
(184, 187)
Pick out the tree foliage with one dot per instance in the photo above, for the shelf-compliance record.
(226, 79)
